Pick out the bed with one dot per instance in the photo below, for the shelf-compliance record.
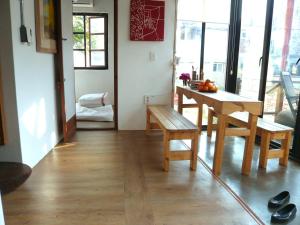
(100, 114)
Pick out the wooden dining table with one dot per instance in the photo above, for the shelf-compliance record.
(225, 103)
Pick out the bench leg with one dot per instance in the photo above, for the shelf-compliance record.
(285, 145)
(166, 151)
(210, 123)
(264, 149)
(248, 153)
(194, 148)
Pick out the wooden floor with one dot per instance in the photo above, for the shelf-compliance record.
(116, 178)
(94, 125)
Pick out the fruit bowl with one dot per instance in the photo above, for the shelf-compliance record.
(207, 86)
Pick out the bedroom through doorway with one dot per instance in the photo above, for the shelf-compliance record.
(93, 50)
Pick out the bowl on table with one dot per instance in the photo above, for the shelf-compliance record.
(207, 86)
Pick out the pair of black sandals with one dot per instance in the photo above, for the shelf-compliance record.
(284, 212)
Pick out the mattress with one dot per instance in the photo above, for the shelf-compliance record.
(102, 113)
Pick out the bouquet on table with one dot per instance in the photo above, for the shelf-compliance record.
(185, 77)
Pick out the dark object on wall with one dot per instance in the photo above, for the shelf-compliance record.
(147, 20)
(23, 30)
(12, 175)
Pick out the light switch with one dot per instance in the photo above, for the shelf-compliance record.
(152, 56)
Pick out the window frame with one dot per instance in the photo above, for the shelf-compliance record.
(105, 50)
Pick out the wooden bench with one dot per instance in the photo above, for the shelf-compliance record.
(267, 130)
(174, 127)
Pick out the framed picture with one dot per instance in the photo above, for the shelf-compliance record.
(45, 26)
(147, 20)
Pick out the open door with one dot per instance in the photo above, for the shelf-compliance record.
(65, 72)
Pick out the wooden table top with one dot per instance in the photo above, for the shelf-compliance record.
(224, 102)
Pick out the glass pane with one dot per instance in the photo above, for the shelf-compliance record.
(78, 41)
(78, 24)
(251, 47)
(87, 58)
(98, 58)
(79, 59)
(97, 42)
(204, 10)
(97, 25)
(283, 79)
(215, 53)
(188, 37)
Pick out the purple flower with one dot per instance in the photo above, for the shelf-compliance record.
(185, 76)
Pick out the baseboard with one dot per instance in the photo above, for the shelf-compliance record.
(70, 128)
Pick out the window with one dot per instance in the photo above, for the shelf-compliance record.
(218, 67)
(90, 41)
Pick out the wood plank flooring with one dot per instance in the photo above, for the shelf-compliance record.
(116, 178)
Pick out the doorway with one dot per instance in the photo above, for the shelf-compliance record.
(94, 49)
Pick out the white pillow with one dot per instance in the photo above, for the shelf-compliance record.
(93, 100)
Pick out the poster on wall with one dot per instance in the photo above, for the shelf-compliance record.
(45, 26)
(147, 20)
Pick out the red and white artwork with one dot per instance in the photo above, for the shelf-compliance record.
(147, 20)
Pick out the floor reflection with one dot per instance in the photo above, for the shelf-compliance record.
(261, 184)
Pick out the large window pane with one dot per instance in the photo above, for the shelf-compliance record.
(251, 47)
(97, 58)
(79, 59)
(97, 42)
(78, 24)
(97, 25)
(78, 41)
(215, 53)
(283, 80)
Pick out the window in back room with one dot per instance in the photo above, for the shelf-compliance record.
(90, 34)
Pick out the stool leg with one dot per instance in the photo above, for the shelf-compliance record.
(209, 123)
(285, 145)
(166, 151)
(264, 149)
(194, 148)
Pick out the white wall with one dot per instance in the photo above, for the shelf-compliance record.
(35, 89)
(12, 150)
(69, 84)
(138, 76)
(91, 81)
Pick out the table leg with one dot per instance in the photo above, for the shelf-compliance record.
(199, 118)
(248, 152)
(180, 102)
(148, 120)
(219, 146)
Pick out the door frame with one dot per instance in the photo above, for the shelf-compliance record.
(69, 127)
(116, 63)
(59, 76)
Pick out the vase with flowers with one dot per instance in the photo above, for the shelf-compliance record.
(185, 77)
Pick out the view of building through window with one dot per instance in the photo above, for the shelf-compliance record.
(191, 15)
